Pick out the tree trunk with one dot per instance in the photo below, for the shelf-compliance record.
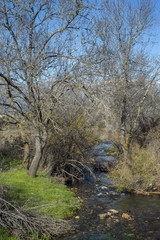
(124, 136)
(26, 159)
(37, 158)
(124, 146)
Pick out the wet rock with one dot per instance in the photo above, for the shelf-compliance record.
(123, 194)
(104, 187)
(110, 214)
(116, 220)
(131, 235)
(127, 216)
(99, 194)
(113, 211)
(113, 193)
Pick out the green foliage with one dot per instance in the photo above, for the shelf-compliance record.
(137, 173)
(4, 235)
(41, 195)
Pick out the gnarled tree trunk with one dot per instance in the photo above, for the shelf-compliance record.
(40, 143)
(26, 159)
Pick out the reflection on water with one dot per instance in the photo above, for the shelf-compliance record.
(148, 205)
(99, 197)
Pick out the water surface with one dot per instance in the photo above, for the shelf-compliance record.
(100, 196)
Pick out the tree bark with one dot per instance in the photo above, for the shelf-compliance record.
(37, 158)
(26, 160)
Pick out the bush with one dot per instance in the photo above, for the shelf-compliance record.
(67, 152)
(112, 151)
(8, 161)
(138, 173)
(11, 144)
(2, 122)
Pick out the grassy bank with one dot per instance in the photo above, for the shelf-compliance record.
(41, 195)
(4, 235)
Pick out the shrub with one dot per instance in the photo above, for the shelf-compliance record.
(112, 151)
(2, 122)
(67, 152)
(8, 161)
(138, 173)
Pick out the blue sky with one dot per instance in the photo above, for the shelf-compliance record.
(154, 46)
(154, 43)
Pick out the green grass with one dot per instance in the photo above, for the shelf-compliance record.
(4, 235)
(41, 195)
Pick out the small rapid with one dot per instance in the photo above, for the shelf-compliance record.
(143, 221)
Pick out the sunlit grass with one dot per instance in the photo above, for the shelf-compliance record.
(4, 235)
(41, 195)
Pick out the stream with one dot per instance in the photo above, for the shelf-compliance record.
(137, 217)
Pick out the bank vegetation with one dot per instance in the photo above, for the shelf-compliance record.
(73, 73)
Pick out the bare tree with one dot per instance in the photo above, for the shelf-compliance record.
(35, 38)
(127, 71)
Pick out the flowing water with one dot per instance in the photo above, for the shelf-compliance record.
(142, 213)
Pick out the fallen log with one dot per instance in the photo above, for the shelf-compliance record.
(145, 193)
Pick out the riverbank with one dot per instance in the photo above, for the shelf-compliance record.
(137, 216)
(42, 199)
